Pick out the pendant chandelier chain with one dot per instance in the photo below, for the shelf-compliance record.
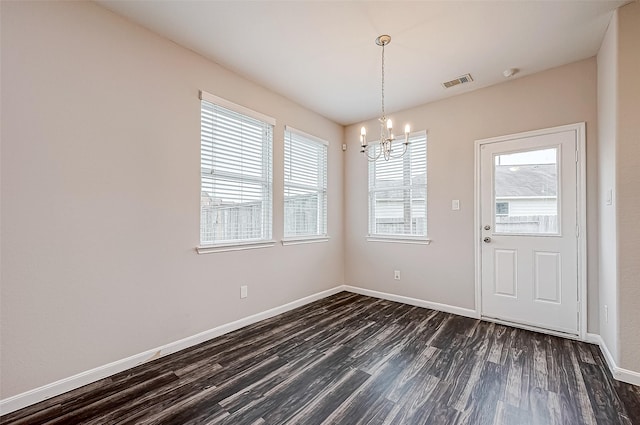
(383, 114)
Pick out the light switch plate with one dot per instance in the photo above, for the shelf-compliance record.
(455, 204)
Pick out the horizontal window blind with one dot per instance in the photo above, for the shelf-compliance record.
(236, 175)
(305, 185)
(398, 192)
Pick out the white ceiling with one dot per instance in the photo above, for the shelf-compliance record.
(322, 54)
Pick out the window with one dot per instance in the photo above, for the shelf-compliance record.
(236, 173)
(398, 193)
(305, 185)
(526, 191)
(502, 208)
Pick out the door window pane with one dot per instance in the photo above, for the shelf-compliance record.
(526, 192)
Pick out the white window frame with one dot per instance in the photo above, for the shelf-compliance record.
(266, 181)
(292, 138)
(410, 238)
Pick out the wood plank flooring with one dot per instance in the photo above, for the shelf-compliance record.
(350, 359)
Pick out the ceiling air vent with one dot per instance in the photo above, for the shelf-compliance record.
(460, 80)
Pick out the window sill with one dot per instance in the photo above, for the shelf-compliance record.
(302, 240)
(399, 239)
(237, 246)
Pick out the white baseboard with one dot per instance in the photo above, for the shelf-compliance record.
(624, 375)
(414, 301)
(53, 389)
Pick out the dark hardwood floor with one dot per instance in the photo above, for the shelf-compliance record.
(351, 359)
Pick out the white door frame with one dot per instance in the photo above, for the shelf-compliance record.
(581, 219)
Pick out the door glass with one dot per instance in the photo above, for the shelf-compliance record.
(526, 192)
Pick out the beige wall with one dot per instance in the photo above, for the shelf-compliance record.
(628, 184)
(619, 155)
(443, 272)
(100, 193)
(100, 196)
(607, 256)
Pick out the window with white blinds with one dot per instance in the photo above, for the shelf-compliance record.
(236, 173)
(305, 185)
(398, 193)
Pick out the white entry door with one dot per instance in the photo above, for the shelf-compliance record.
(528, 213)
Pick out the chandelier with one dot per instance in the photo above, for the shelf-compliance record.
(385, 148)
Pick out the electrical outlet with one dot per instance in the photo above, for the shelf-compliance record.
(396, 274)
(606, 313)
(244, 291)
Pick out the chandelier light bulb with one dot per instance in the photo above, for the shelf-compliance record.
(363, 137)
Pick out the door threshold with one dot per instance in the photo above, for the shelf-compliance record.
(552, 332)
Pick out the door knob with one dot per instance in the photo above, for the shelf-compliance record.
(487, 239)
(487, 227)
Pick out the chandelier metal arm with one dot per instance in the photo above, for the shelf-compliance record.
(375, 157)
(386, 150)
(405, 146)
